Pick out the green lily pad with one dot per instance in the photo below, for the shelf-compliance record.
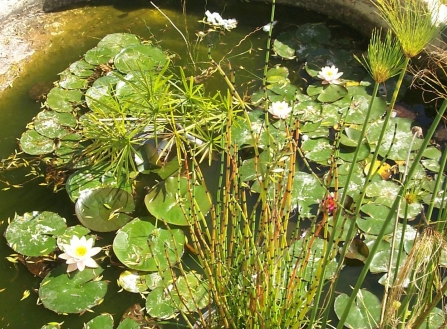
(64, 238)
(33, 143)
(373, 224)
(306, 193)
(141, 246)
(103, 321)
(364, 312)
(137, 58)
(188, 293)
(133, 281)
(318, 150)
(100, 55)
(118, 40)
(332, 93)
(34, 234)
(72, 293)
(63, 100)
(91, 178)
(54, 124)
(81, 69)
(170, 200)
(104, 209)
(129, 323)
(99, 99)
(285, 45)
(313, 33)
(70, 81)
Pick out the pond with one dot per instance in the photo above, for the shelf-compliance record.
(244, 53)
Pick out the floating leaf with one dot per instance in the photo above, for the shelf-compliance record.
(284, 46)
(141, 246)
(71, 81)
(313, 33)
(62, 100)
(103, 321)
(33, 143)
(160, 305)
(331, 93)
(75, 292)
(104, 209)
(364, 313)
(91, 178)
(170, 200)
(137, 58)
(64, 238)
(306, 193)
(318, 150)
(33, 234)
(129, 323)
(118, 40)
(54, 124)
(357, 250)
(133, 281)
(374, 224)
(81, 69)
(99, 55)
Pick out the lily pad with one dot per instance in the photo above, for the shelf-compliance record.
(332, 93)
(170, 200)
(54, 124)
(91, 178)
(133, 281)
(141, 246)
(34, 234)
(63, 100)
(71, 81)
(364, 313)
(137, 58)
(318, 150)
(103, 321)
(306, 191)
(118, 40)
(100, 55)
(64, 238)
(72, 293)
(104, 209)
(81, 69)
(33, 143)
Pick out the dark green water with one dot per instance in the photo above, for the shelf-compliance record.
(83, 29)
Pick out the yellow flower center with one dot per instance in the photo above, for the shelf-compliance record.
(81, 251)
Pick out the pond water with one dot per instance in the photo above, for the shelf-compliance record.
(82, 28)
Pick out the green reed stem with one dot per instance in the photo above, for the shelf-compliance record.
(381, 234)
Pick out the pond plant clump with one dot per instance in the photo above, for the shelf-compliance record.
(311, 175)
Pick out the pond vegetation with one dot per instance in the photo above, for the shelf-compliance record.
(241, 210)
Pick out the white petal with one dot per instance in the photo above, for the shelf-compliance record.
(93, 251)
(72, 267)
(81, 266)
(64, 256)
(90, 262)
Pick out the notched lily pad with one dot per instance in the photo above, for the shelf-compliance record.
(54, 124)
(33, 234)
(104, 209)
(170, 200)
(63, 100)
(33, 143)
(137, 58)
(133, 281)
(75, 292)
(141, 246)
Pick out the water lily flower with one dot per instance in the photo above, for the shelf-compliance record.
(266, 27)
(216, 20)
(330, 75)
(280, 110)
(79, 253)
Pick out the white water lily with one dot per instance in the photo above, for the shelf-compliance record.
(330, 75)
(78, 254)
(280, 110)
(267, 27)
(216, 20)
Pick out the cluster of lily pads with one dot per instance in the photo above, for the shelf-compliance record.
(121, 111)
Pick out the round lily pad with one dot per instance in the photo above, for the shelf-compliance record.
(33, 234)
(72, 293)
(170, 200)
(104, 209)
(54, 124)
(141, 246)
(103, 321)
(63, 100)
(133, 281)
(137, 58)
(189, 295)
(118, 40)
(99, 55)
(82, 69)
(34, 143)
(92, 178)
(70, 81)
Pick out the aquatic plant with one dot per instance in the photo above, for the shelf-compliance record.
(304, 177)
